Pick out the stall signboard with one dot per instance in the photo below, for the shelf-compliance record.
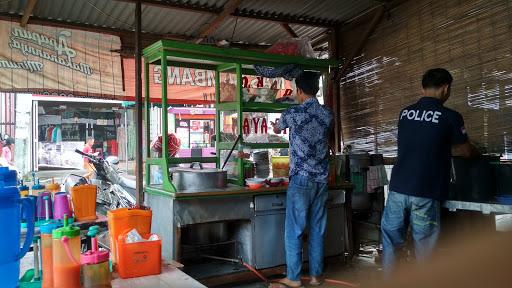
(59, 62)
(197, 86)
(184, 85)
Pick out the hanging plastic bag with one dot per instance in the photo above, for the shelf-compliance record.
(293, 46)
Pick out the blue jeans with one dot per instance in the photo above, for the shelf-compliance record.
(305, 206)
(402, 210)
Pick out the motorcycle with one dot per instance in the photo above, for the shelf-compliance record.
(114, 189)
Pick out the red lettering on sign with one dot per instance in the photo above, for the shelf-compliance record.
(245, 82)
(260, 82)
(264, 128)
(255, 122)
(246, 127)
(287, 92)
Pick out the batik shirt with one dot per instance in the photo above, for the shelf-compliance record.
(309, 126)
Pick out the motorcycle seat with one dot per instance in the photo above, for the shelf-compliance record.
(128, 181)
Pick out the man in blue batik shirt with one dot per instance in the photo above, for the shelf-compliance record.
(309, 125)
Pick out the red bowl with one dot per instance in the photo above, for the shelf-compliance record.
(254, 186)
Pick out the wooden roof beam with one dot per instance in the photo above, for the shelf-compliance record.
(289, 30)
(29, 7)
(209, 28)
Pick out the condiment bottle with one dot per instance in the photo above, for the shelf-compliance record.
(47, 252)
(93, 231)
(66, 255)
(95, 265)
(53, 187)
(37, 188)
(35, 246)
(24, 190)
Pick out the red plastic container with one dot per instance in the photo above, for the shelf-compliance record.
(138, 259)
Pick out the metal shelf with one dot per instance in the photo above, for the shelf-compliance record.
(266, 145)
(265, 107)
(228, 146)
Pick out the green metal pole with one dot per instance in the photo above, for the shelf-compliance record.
(240, 111)
(138, 106)
(217, 115)
(147, 122)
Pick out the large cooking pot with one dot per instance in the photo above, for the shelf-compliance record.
(472, 179)
(198, 179)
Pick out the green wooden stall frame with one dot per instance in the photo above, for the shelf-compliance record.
(182, 54)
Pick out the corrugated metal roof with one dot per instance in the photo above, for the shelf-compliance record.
(158, 20)
(333, 10)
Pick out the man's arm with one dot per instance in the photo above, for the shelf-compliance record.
(465, 150)
(461, 146)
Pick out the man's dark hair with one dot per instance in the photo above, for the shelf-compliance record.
(308, 82)
(436, 78)
(9, 141)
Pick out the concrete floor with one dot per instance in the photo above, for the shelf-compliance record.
(361, 270)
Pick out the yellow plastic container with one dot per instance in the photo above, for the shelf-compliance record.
(83, 198)
(123, 219)
(280, 166)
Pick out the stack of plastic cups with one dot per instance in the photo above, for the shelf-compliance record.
(44, 206)
(61, 206)
(95, 264)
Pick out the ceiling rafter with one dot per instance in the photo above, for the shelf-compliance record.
(209, 28)
(29, 7)
(289, 30)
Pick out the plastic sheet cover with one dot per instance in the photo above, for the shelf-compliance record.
(469, 38)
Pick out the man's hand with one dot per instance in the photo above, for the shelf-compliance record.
(465, 150)
(275, 126)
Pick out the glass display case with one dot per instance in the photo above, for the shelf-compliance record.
(245, 104)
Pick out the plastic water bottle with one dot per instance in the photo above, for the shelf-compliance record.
(10, 218)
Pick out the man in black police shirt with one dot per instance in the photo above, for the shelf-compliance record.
(428, 133)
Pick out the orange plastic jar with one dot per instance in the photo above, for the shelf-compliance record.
(66, 266)
(47, 253)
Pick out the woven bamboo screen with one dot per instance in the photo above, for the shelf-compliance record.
(472, 39)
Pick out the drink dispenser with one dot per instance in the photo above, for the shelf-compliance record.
(66, 256)
(10, 218)
(47, 252)
(95, 265)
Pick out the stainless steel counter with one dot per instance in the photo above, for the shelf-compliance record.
(262, 213)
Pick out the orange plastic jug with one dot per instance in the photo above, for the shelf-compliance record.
(123, 219)
(139, 259)
(83, 198)
(66, 256)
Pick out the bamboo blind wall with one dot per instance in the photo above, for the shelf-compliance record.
(472, 39)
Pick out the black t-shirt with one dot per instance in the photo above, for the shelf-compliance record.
(426, 132)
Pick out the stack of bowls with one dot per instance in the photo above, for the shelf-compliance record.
(262, 163)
